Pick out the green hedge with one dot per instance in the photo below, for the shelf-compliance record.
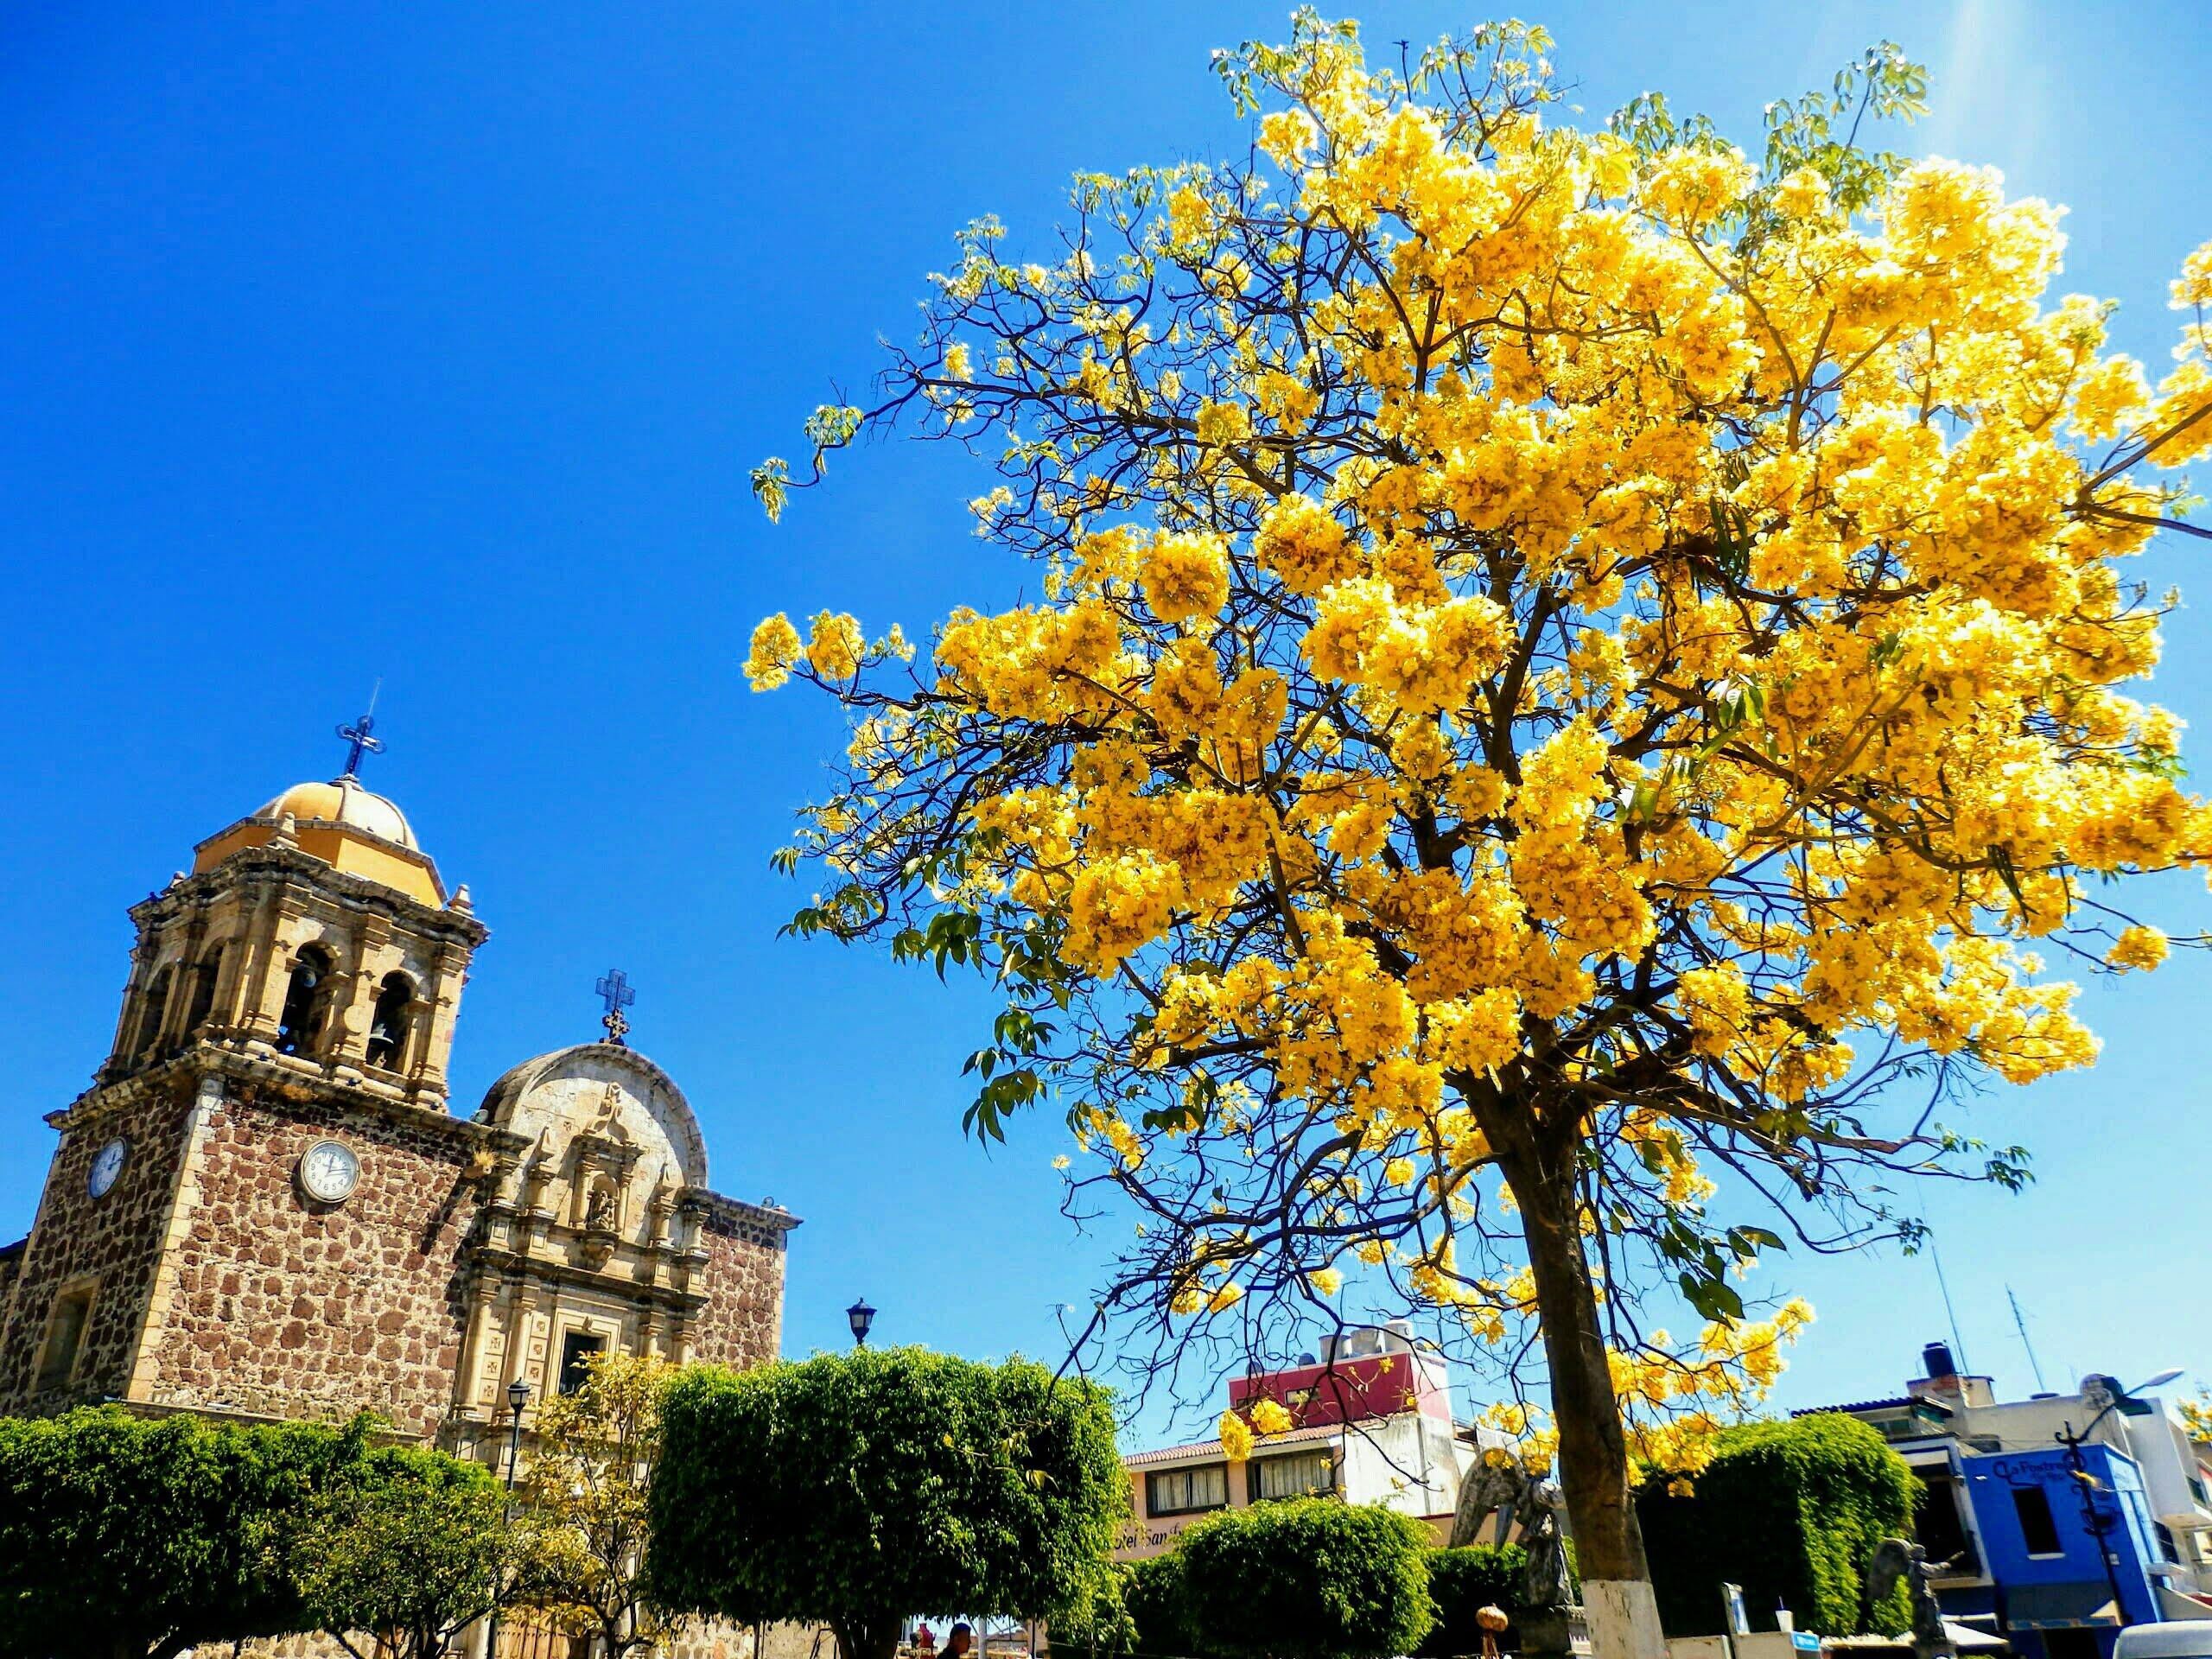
(127, 1534)
(1790, 1510)
(1460, 1583)
(1305, 1578)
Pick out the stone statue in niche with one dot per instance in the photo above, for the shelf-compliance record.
(599, 1207)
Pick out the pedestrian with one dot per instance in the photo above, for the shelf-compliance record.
(960, 1641)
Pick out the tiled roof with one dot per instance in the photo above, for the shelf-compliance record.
(1296, 1437)
(1867, 1405)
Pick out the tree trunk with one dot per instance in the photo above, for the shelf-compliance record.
(1593, 1471)
(867, 1638)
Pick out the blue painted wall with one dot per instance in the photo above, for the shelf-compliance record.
(1991, 1480)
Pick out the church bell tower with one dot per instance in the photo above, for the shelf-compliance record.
(262, 1209)
(284, 1038)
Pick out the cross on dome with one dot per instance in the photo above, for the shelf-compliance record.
(615, 990)
(359, 735)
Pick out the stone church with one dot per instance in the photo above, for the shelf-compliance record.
(264, 1207)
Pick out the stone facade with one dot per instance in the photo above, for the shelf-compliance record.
(262, 1209)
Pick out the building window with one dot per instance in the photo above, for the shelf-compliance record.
(577, 1349)
(150, 1015)
(203, 989)
(388, 1024)
(1185, 1492)
(1299, 1475)
(2037, 1530)
(307, 1000)
(1935, 1523)
(65, 1336)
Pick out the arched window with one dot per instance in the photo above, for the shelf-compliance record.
(389, 1025)
(203, 989)
(151, 1012)
(307, 1000)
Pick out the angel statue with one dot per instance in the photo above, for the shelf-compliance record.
(1500, 1484)
(1897, 1560)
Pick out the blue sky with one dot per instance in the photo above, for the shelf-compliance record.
(432, 342)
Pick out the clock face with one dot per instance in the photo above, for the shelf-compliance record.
(328, 1171)
(107, 1163)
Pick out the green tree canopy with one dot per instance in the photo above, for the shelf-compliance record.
(412, 1551)
(1790, 1510)
(855, 1490)
(1308, 1578)
(131, 1536)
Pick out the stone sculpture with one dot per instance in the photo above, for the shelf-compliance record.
(1898, 1559)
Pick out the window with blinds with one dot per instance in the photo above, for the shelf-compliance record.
(1295, 1476)
(1180, 1491)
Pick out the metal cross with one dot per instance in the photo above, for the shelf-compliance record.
(359, 735)
(616, 992)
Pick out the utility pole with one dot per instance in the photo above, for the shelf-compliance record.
(2101, 1523)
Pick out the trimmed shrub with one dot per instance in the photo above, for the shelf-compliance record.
(1463, 1581)
(128, 1534)
(1790, 1511)
(1307, 1579)
(855, 1490)
(1152, 1590)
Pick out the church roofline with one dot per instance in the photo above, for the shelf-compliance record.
(345, 886)
(761, 1215)
(517, 1080)
(275, 1078)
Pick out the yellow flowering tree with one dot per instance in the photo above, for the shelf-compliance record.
(590, 1489)
(1570, 663)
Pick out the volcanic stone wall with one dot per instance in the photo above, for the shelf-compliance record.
(111, 1244)
(742, 1323)
(276, 1305)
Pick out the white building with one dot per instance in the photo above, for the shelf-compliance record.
(1374, 1424)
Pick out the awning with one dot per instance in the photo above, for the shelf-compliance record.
(1964, 1638)
(2058, 1606)
(2179, 1604)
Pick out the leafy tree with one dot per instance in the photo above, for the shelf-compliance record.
(1100, 1625)
(1310, 1578)
(1790, 1510)
(1152, 1590)
(1567, 661)
(130, 1536)
(417, 1550)
(855, 1490)
(588, 1486)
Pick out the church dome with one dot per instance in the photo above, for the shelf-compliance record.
(342, 800)
(347, 826)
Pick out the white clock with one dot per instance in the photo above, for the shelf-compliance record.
(327, 1171)
(107, 1163)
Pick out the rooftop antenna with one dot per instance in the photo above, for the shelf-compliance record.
(1958, 1343)
(2020, 1324)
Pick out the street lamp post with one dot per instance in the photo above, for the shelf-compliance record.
(518, 1397)
(860, 1316)
(2098, 1521)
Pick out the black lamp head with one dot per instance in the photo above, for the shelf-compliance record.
(860, 1316)
(517, 1395)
